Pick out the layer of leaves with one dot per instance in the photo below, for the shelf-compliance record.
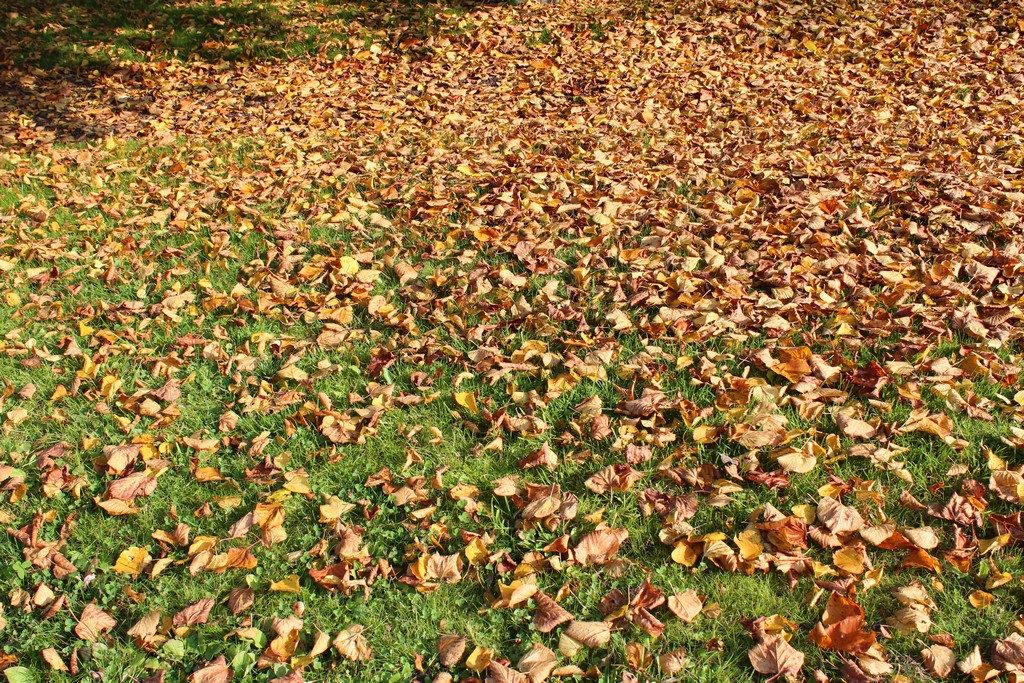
(514, 341)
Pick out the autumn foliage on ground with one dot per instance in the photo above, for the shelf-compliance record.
(512, 342)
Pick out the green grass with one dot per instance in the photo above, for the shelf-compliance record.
(78, 272)
(97, 539)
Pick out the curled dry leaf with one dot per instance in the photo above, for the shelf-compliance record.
(538, 663)
(500, 673)
(1008, 654)
(793, 363)
(146, 628)
(672, 662)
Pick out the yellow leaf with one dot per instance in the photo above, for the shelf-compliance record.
(88, 370)
(517, 592)
(289, 584)
(467, 399)
(808, 513)
(333, 509)
(995, 463)
(461, 491)
(116, 507)
(298, 483)
(479, 659)
(850, 559)
(476, 551)
(829, 490)
(872, 578)
(159, 566)
(685, 554)
(705, 433)
(749, 543)
(348, 265)
(988, 545)
(131, 561)
(981, 599)
(109, 386)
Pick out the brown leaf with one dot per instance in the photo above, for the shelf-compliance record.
(196, 613)
(672, 662)
(921, 421)
(133, 486)
(93, 623)
(842, 627)
(938, 660)
(352, 644)
(240, 600)
(499, 673)
(793, 363)
(290, 677)
(146, 626)
(647, 405)
(839, 518)
(538, 663)
(1008, 654)
(53, 659)
(216, 671)
(450, 649)
(589, 633)
(619, 477)
(686, 605)
(854, 428)
(598, 547)
(774, 656)
(549, 614)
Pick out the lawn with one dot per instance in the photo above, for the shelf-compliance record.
(517, 341)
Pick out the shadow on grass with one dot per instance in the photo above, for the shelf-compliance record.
(67, 65)
(90, 34)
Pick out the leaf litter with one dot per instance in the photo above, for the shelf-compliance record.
(694, 294)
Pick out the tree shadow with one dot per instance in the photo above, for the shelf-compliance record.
(90, 34)
(70, 66)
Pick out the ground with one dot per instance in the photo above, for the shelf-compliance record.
(359, 341)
